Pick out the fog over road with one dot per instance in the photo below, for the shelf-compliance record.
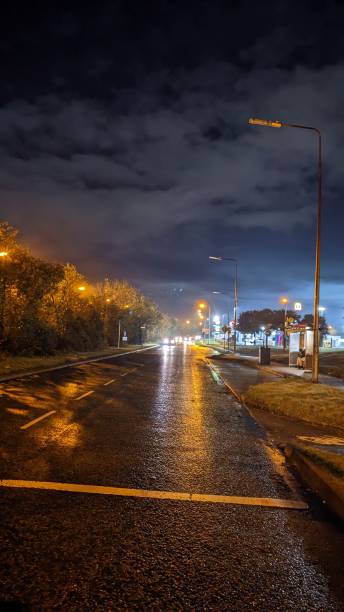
(154, 421)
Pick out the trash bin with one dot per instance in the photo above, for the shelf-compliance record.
(264, 355)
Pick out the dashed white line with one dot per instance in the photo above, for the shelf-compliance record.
(139, 365)
(109, 382)
(44, 416)
(76, 399)
(128, 372)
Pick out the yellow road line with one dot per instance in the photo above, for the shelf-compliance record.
(76, 399)
(144, 493)
(44, 416)
(109, 382)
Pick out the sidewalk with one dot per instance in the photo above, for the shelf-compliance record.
(317, 451)
(284, 371)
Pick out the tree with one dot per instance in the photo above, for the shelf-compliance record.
(43, 309)
(251, 321)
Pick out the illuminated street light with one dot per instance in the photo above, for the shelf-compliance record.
(235, 261)
(187, 322)
(279, 124)
(265, 122)
(3, 253)
(108, 300)
(82, 288)
(285, 301)
(202, 306)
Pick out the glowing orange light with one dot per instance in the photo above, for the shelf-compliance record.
(82, 288)
(3, 253)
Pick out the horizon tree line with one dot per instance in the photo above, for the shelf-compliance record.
(48, 307)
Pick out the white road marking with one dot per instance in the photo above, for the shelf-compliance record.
(128, 372)
(76, 399)
(269, 502)
(139, 365)
(109, 382)
(21, 411)
(44, 416)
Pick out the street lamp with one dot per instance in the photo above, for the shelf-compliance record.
(82, 288)
(279, 124)
(235, 261)
(285, 301)
(202, 306)
(3, 255)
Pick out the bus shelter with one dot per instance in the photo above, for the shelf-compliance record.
(300, 337)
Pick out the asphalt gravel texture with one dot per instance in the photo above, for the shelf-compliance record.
(164, 423)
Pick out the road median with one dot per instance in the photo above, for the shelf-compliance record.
(317, 404)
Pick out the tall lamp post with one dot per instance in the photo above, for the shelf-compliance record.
(235, 261)
(285, 301)
(279, 124)
(3, 255)
(202, 306)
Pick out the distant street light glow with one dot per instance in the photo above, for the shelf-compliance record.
(3, 253)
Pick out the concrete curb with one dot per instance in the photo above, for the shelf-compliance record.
(311, 474)
(315, 477)
(27, 373)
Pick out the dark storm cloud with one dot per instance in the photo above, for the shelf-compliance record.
(143, 175)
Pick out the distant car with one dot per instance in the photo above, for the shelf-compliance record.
(168, 341)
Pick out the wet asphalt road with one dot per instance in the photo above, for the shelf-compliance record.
(162, 423)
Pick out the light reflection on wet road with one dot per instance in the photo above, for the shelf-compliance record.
(163, 424)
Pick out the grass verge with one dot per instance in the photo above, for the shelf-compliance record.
(317, 404)
(18, 365)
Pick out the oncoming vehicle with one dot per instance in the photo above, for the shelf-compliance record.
(168, 341)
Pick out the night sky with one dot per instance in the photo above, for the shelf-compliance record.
(125, 147)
